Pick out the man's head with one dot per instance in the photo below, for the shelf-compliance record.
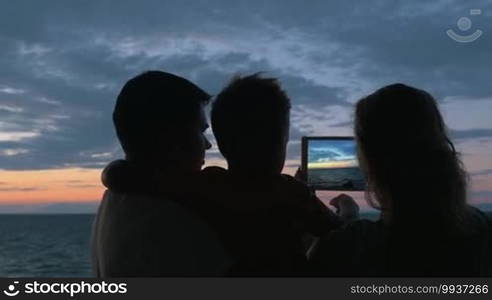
(250, 120)
(160, 121)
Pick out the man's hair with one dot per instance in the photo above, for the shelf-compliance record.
(250, 108)
(152, 104)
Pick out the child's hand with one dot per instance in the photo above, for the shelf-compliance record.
(300, 175)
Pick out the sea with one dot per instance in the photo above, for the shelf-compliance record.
(45, 245)
(41, 245)
(336, 178)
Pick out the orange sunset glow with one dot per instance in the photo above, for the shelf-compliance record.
(332, 164)
(50, 186)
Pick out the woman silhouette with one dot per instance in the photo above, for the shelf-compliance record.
(416, 179)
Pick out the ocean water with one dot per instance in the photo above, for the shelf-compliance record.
(53, 245)
(45, 245)
(336, 178)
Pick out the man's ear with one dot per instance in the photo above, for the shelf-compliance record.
(170, 142)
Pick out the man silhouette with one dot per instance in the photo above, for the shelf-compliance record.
(144, 228)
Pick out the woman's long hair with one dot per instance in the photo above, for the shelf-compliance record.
(414, 175)
(412, 169)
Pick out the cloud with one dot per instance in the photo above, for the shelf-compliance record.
(471, 133)
(21, 189)
(482, 172)
(13, 152)
(82, 186)
(11, 109)
(63, 65)
(16, 136)
(10, 90)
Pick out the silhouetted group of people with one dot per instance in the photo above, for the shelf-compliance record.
(163, 215)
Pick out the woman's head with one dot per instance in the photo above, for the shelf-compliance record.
(411, 166)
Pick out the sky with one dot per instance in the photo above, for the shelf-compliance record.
(62, 63)
(331, 154)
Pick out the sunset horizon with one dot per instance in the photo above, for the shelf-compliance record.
(62, 70)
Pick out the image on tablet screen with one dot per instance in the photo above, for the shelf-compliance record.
(332, 165)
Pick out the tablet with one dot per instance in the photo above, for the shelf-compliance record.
(331, 163)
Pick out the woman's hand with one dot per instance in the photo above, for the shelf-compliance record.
(346, 207)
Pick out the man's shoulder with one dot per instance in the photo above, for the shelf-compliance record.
(141, 235)
(143, 215)
(128, 207)
(214, 170)
(116, 198)
(213, 173)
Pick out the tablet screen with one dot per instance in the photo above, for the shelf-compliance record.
(331, 164)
